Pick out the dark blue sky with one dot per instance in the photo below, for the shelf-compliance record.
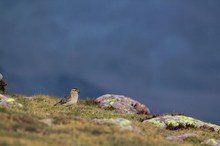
(162, 53)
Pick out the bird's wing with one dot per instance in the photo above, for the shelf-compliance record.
(65, 99)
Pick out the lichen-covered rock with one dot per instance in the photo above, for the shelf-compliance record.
(181, 137)
(3, 97)
(179, 121)
(4, 100)
(211, 142)
(121, 104)
(121, 122)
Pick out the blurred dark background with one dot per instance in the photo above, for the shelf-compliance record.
(163, 53)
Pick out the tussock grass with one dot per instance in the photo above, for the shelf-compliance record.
(22, 126)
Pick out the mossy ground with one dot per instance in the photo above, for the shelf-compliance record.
(75, 127)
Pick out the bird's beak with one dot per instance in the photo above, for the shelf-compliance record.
(78, 92)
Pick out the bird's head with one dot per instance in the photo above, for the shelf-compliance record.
(75, 90)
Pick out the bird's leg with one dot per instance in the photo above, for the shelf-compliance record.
(70, 107)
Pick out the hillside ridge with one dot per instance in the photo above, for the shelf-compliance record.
(37, 122)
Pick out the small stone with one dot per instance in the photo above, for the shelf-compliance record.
(181, 137)
(211, 142)
(48, 121)
(3, 97)
(121, 122)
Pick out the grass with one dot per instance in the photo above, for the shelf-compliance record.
(23, 126)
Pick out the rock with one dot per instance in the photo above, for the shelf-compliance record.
(48, 121)
(4, 100)
(121, 104)
(3, 97)
(179, 122)
(121, 122)
(212, 142)
(181, 137)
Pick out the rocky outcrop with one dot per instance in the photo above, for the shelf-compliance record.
(4, 100)
(121, 104)
(174, 122)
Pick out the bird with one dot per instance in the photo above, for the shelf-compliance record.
(1, 76)
(70, 99)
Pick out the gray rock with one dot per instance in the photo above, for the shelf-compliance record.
(121, 122)
(181, 137)
(211, 142)
(121, 104)
(48, 121)
(3, 97)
